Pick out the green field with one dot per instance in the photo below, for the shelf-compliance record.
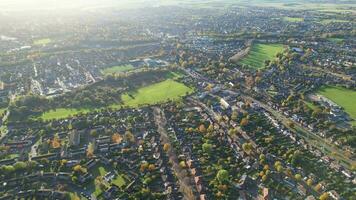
(341, 96)
(43, 41)
(260, 53)
(336, 40)
(117, 69)
(156, 93)
(152, 94)
(329, 21)
(62, 113)
(293, 19)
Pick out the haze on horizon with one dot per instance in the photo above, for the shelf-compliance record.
(37, 5)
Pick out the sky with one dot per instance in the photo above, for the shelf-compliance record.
(30, 5)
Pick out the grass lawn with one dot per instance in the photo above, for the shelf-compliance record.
(2, 111)
(117, 69)
(341, 96)
(260, 53)
(328, 21)
(152, 94)
(75, 196)
(11, 156)
(102, 171)
(97, 171)
(311, 105)
(293, 19)
(62, 113)
(119, 181)
(336, 40)
(43, 41)
(156, 93)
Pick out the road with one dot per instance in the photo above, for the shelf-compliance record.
(184, 181)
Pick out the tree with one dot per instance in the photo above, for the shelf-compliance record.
(234, 115)
(324, 196)
(79, 168)
(116, 138)
(262, 156)
(210, 128)
(317, 187)
(166, 147)
(56, 143)
(279, 168)
(147, 180)
(182, 164)
(7, 169)
(266, 167)
(90, 150)
(316, 112)
(298, 177)
(244, 122)
(310, 182)
(264, 178)
(151, 167)
(277, 163)
(94, 133)
(291, 124)
(202, 128)
(19, 166)
(222, 175)
(207, 148)
(143, 166)
(247, 147)
(129, 137)
(232, 131)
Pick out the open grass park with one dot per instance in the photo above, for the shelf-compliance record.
(41, 42)
(148, 95)
(293, 19)
(117, 69)
(156, 93)
(259, 53)
(62, 113)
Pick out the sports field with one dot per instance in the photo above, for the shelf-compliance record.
(117, 69)
(62, 113)
(156, 93)
(260, 53)
(345, 98)
(152, 94)
(43, 41)
(293, 19)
